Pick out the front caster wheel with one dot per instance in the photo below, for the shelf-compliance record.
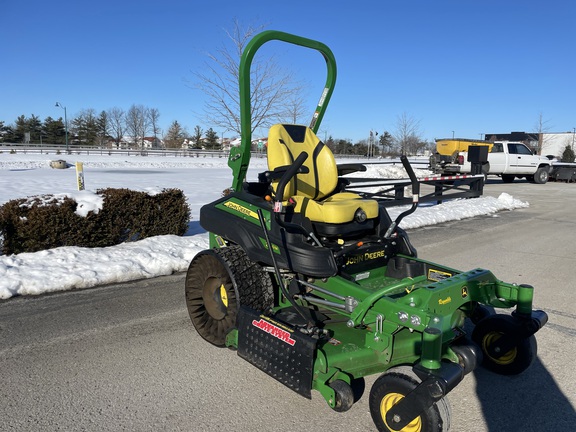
(392, 387)
(344, 395)
(515, 360)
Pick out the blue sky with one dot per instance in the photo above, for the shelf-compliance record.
(457, 66)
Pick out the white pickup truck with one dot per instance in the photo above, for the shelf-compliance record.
(507, 159)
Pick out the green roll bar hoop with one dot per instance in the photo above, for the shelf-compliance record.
(240, 156)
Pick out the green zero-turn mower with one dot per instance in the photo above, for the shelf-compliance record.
(318, 287)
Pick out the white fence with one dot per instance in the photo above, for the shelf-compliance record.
(93, 150)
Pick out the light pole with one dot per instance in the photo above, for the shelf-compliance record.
(58, 104)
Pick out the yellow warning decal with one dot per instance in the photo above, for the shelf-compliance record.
(438, 275)
(241, 209)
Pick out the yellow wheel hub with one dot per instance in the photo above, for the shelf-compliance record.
(388, 401)
(223, 295)
(488, 340)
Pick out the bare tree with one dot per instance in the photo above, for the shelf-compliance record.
(407, 134)
(153, 118)
(296, 106)
(116, 117)
(270, 86)
(541, 127)
(137, 124)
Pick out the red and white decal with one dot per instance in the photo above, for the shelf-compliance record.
(453, 177)
(275, 331)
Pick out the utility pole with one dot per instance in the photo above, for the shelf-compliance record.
(58, 104)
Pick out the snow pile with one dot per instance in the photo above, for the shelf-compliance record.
(87, 201)
(457, 210)
(66, 268)
(391, 172)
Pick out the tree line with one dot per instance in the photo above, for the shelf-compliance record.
(107, 128)
(114, 125)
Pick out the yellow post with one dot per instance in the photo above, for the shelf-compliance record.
(80, 175)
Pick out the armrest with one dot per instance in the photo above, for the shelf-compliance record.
(278, 172)
(295, 168)
(350, 168)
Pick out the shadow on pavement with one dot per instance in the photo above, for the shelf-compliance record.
(531, 401)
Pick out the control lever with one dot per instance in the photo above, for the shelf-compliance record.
(415, 196)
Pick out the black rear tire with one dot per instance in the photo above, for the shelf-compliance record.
(218, 281)
(508, 178)
(513, 362)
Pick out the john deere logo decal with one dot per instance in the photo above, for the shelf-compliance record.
(464, 292)
(241, 209)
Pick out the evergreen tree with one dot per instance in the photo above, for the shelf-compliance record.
(568, 154)
(212, 140)
(331, 144)
(5, 132)
(18, 131)
(343, 147)
(84, 128)
(102, 129)
(54, 131)
(197, 138)
(386, 140)
(34, 126)
(175, 135)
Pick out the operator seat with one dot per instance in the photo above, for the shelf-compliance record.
(315, 194)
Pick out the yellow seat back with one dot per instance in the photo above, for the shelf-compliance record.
(285, 143)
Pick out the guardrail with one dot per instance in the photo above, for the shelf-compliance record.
(61, 150)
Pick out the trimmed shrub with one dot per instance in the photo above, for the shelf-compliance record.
(568, 154)
(48, 221)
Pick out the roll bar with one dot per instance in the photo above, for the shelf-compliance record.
(240, 156)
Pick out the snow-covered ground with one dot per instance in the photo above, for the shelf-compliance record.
(201, 179)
